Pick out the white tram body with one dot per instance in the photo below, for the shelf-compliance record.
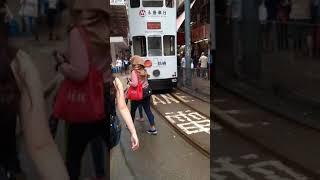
(153, 36)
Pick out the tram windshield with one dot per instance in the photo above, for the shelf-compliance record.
(169, 3)
(152, 3)
(154, 46)
(135, 3)
(139, 46)
(169, 45)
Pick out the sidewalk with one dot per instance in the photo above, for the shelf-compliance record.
(200, 87)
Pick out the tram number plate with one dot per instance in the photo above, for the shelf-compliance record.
(162, 63)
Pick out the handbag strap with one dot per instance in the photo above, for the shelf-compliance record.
(85, 37)
(139, 81)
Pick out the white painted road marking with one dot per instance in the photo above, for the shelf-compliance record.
(164, 99)
(183, 98)
(189, 121)
(222, 115)
(233, 111)
(168, 99)
(269, 169)
(249, 156)
(219, 100)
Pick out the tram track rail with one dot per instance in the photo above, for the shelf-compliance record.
(265, 108)
(224, 120)
(196, 145)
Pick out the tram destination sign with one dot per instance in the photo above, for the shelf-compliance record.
(117, 2)
(153, 25)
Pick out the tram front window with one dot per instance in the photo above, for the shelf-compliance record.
(139, 46)
(135, 3)
(169, 3)
(152, 3)
(154, 46)
(169, 45)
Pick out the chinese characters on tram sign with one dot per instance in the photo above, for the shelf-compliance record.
(117, 2)
(155, 13)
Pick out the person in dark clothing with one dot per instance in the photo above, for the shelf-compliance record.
(271, 30)
(271, 6)
(89, 49)
(283, 12)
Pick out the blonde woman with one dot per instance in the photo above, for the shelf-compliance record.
(139, 75)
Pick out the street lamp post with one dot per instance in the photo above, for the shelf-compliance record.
(187, 44)
(212, 40)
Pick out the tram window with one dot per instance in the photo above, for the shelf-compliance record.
(139, 46)
(152, 3)
(169, 3)
(154, 46)
(169, 45)
(135, 3)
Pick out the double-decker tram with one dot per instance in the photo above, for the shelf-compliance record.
(152, 33)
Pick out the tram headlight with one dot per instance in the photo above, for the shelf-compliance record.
(156, 73)
(147, 63)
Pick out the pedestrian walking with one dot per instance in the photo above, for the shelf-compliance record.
(8, 14)
(126, 65)
(140, 119)
(118, 64)
(182, 69)
(52, 19)
(29, 13)
(203, 60)
(87, 72)
(139, 76)
(21, 96)
(192, 68)
(234, 14)
(63, 20)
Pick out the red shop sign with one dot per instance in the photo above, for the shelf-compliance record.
(180, 38)
(200, 33)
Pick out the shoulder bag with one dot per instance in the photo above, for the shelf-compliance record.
(78, 102)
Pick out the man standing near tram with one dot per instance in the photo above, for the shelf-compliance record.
(234, 14)
(203, 60)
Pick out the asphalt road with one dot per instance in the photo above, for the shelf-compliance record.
(161, 157)
(236, 159)
(164, 157)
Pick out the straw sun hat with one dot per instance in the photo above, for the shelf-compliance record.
(137, 60)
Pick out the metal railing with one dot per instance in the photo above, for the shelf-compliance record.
(200, 79)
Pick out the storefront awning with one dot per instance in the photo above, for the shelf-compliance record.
(182, 17)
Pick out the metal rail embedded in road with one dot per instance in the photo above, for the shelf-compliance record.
(190, 123)
(285, 139)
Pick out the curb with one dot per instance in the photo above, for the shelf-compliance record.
(228, 122)
(203, 97)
